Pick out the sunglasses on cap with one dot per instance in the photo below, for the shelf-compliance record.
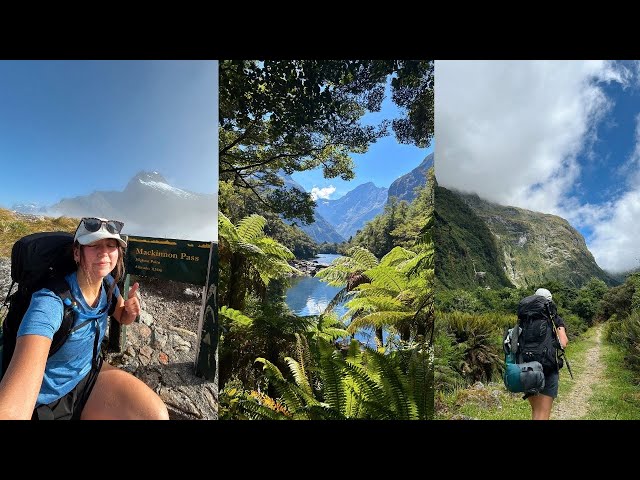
(92, 224)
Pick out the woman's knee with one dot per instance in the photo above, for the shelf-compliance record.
(160, 411)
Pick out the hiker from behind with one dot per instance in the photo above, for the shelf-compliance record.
(75, 382)
(555, 332)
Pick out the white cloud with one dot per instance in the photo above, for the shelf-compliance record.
(324, 192)
(511, 131)
(614, 242)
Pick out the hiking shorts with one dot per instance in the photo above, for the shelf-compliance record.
(70, 406)
(550, 385)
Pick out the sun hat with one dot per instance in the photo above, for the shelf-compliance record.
(90, 231)
(543, 292)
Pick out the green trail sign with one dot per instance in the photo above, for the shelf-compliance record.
(180, 260)
(185, 261)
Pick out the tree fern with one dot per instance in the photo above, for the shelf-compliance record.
(331, 363)
(292, 395)
(251, 228)
(235, 316)
(378, 319)
(299, 375)
(394, 385)
(397, 257)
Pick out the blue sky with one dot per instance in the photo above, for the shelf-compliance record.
(559, 137)
(385, 160)
(68, 128)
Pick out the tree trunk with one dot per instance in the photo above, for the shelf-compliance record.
(237, 284)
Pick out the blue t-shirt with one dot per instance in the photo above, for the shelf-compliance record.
(73, 360)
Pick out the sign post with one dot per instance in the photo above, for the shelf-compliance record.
(207, 353)
(185, 261)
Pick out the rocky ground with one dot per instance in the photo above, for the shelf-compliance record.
(161, 348)
(307, 267)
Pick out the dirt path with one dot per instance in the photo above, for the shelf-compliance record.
(576, 404)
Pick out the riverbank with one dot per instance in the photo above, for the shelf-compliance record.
(308, 267)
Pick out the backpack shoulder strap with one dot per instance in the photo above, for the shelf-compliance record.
(113, 303)
(61, 288)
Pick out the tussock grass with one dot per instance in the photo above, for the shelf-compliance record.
(619, 397)
(511, 406)
(13, 227)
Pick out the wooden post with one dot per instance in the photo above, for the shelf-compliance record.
(117, 332)
(208, 330)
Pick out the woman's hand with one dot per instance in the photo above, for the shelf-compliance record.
(128, 310)
(562, 336)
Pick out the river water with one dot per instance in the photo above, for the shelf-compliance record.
(311, 296)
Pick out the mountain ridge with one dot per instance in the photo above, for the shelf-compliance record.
(533, 247)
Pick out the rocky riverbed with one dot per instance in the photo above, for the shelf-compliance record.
(160, 349)
(307, 267)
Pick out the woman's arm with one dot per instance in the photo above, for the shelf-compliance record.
(562, 336)
(21, 383)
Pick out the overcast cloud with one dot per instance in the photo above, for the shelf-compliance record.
(511, 131)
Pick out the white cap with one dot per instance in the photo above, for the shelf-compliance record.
(84, 237)
(543, 292)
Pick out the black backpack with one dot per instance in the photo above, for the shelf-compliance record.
(39, 260)
(537, 340)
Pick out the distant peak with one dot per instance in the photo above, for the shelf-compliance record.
(368, 186)
(428, 159)
(149, 177)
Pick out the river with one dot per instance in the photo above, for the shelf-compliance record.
(311, 296)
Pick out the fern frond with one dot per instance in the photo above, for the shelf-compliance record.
(396, 389)
(377, 319)
(363, 257)
(226, 229)
(421, 382)
(299, 375)
(235, 316)
(259, 406)
(387, 277)
(251, 228)
(396, 257)
(375, 304)
(332, 372)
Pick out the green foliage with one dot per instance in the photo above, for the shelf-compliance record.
(326, 247)
(249, 260)
(384, 294)
(401, 224)
(479, 337)
(449, 359)
(574, 326)
(295, 115)
(586, 303)
(626, 334)
(618, 300)
(464, 246)
(235, 317)
(237, 204)
(325, 384)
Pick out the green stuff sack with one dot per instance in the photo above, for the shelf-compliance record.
(527, 378)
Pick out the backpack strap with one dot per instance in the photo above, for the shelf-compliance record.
(61, 288)
(554, 332)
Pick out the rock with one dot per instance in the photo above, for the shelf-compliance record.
(146, 318)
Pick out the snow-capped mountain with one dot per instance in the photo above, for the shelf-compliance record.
(29, 208)
(149, 206)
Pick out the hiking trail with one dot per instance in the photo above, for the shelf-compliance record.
(576, 404)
